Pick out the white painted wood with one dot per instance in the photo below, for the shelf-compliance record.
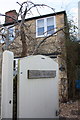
(7, 85)
(37, 98)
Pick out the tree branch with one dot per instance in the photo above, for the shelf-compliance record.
(47, 38)
(29, 6)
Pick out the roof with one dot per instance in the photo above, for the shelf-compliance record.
(37, 17)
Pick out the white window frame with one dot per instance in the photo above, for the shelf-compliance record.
(45, 26)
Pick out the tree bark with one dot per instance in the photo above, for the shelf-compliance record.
(24, 44)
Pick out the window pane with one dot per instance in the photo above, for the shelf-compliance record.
(11, 34)
(50, 25)
(50, 21)
(40, 23)
(40, 27)
(50, 29)
(41, 31)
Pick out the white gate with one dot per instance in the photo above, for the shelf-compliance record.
(38, 87)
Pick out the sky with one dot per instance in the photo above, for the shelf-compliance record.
(71, 7)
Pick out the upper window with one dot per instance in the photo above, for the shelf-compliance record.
(11, 33)
(8, 32)
(40, 27)
(45, 26)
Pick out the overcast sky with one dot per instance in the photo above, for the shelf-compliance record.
(71, 6)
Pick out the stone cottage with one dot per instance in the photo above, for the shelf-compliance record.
(54, 46)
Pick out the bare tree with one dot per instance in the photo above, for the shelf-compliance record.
(25, 9)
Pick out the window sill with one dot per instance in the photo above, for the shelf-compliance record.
(42, 36)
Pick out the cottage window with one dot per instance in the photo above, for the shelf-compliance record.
(45, 26)
(11, 33)
(40, 27)
(50, 25)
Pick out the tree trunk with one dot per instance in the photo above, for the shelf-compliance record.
(24, 44)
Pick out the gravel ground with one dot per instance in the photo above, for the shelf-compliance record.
(70, 109)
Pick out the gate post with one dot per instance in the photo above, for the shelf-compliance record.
(7, 85)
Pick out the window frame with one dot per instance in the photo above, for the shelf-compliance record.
(45, 26)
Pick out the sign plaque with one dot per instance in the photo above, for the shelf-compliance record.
(37, 74)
